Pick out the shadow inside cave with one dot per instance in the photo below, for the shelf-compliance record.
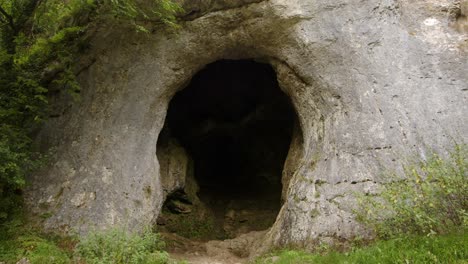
(235, 125)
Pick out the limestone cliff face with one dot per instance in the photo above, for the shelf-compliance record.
(371, 81)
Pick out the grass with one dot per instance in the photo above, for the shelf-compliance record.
(451, 248)
(117, 246)
(18, 240)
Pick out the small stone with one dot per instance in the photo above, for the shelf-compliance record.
(230, 214)
(79, 199)
(274, 259)
(23, 261)
(179, 207)
(161, 220)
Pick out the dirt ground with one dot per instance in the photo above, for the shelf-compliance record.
(231, 251)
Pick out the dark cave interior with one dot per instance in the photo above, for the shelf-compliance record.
(236, 125)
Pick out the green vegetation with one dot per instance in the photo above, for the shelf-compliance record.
(118, 247)
(410, 249)
(18, 240)
(40, 41)
(419, 218)
(432, 198)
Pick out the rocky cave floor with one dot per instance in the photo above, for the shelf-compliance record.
(220, 229)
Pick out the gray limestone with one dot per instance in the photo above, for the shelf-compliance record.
(373, 82)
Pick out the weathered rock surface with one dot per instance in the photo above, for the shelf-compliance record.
(372, 82)
(173, 165)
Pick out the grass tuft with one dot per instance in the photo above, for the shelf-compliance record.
(416, 249)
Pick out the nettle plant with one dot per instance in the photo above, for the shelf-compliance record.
(431, 198)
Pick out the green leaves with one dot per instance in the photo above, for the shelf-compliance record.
(139, 15)
(27, 50)
(431, 199)
(124, 8)
(118, 246)
(166, 10)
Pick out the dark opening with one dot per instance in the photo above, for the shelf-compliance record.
(236, 125)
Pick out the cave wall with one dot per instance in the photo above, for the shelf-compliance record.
(372, 82)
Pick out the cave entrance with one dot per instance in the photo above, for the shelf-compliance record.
(235, 125)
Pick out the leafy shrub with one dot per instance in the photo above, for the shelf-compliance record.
(118, 246)
(431, 198)
(19, 240)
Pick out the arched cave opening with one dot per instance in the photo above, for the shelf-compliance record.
(234, 125)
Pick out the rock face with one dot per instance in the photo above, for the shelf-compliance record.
(371, 81)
